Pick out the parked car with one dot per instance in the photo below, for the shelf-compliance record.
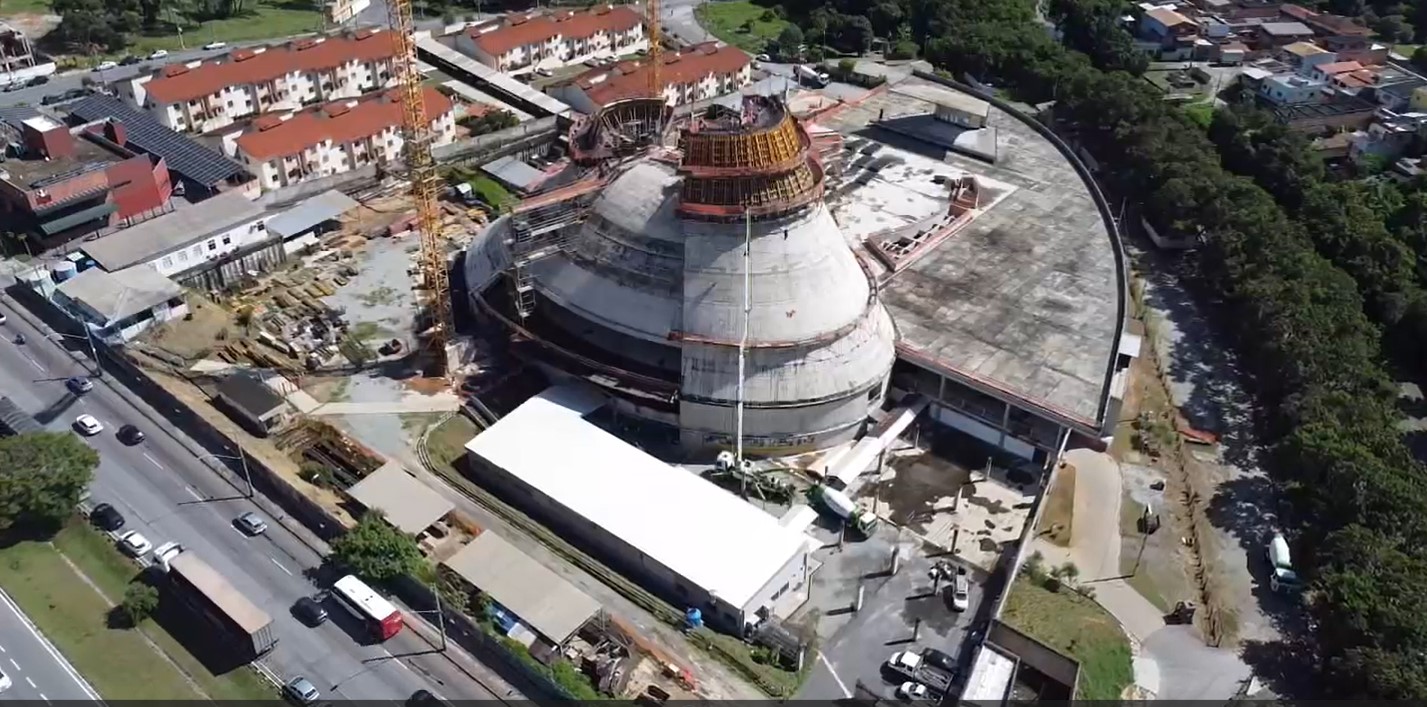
(425, 698)
(1283, 577)
(106, 517)
(939, 660)
(135, 544)
(960, 590)
(130, 60)
(130, 435)
(38, 81)
(912, 691)
(79, 384)
(88, 425)
(159, 54)
(106, 65)
(309, 611)
(301, 690)
(215, 45)
(4, 682)
(251, 523)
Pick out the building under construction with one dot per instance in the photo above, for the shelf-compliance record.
(632, 275)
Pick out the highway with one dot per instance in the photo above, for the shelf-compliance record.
(36, 669)
(166, 493)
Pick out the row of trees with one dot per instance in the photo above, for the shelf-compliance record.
(1298, 318)
(111, 25)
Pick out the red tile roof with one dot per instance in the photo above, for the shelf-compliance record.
(629, 79)
(177, 83)
(1338, 67)
(532, 29)
(339, 122)
(1326, 23)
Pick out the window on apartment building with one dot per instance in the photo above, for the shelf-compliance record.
(168, 261)
(212, 245)
(227, 240)
(183, 256)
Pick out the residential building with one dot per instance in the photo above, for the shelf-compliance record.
(250, 401)
(19, 62)
(1272, 35)
(1326, 72)
(1395, 94)
(694, 74)
(203, 96)
(1339, 114)
(60, 183)
(1386, 139)
(1290, 89)
(1363, 50)
(1325, 24)
(197, 171)
(118, 306)
(1303, 56)
(336, 138)
(1168, 26)
(525, 43)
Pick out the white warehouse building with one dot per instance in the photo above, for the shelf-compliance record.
(681, 536)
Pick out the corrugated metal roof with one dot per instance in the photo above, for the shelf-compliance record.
(441, 53)
(182, 155)
(409, 505)
(323, 207)
(173, 231)
(514, 172)
(118, 295)
(542, 599)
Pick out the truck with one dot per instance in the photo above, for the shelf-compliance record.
(809, 74)
(1283, 577)
(914, 667)
(222, 607)
(840, 505)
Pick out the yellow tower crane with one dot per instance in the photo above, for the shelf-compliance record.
(656, 48)
(425, 185)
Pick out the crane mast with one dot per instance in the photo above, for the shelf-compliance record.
(656, 49)
(416, 132)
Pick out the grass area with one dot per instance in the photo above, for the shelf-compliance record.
(1078, 627)
(740, 23)
(447, 442)
(1140, 578)
(1405, 49)
(1201, 113)
(117, 662)
(92, 552)
(1057, 521)
(24, 7)
(267, 20)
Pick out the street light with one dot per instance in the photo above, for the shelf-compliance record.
(241, 458)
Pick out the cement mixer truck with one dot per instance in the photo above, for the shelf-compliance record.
(840, 505)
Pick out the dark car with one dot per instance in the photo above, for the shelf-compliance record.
(939, 660)
(310, 612)
(106, 517)
(130, 60)
(38, 81)
(425, 698)
(79, 384)
(129, 434)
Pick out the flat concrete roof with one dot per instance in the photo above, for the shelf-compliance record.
(409, 505)
(1023, 302)
(704, 534)
(120, 295)
(542, 599)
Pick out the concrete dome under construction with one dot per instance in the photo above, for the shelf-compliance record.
(632, 273)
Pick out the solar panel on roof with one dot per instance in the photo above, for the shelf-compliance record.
(183, 155)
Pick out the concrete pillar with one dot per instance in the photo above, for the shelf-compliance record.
(896, 560)
(857, 603)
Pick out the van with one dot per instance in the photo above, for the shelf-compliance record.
(1282, 577)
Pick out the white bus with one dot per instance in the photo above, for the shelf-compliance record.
(361, 601)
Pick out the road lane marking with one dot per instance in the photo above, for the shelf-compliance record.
(2, 649)
(17, 665)
(153, 461)
(193, 493)
(823, 658)
(396, 660)
(32, 682)
(34, 363)
(279, 566)
(42, 696)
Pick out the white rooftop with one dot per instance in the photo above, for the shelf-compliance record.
(704, 534)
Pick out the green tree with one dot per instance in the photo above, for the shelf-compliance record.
(788, 42)
(42, 475)
(140, 601)
(375, 550)
(1419, 56)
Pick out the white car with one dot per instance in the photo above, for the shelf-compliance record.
(4, 682)
(961, 591)
(106, 65)
(135, 544)
(544, 72)
(912, 690)
(88, 425)
(214, 45)
(763, 57)
(166, 552)
(159, 54)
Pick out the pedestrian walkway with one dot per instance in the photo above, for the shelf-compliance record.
(1170, 662)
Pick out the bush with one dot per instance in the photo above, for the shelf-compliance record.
(139, 603)
(903, 49)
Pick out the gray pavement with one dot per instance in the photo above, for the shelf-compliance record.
(167, 493)
(679, 21)
(37, 671)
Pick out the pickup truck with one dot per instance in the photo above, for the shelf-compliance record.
(915, 668)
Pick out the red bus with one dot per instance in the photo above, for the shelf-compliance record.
(381, 617)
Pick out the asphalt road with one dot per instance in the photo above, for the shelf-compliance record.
(168, 494)
(680, 23)
(36, 670)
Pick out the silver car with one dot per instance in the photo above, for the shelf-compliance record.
(251, 523)
(302, 690)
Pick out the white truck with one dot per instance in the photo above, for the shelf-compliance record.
(840, 505)
(1284, 578)
(809, 74)
(914, 667)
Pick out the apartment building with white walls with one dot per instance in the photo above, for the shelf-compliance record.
(336, 138)
(202, 96)
(524, 43)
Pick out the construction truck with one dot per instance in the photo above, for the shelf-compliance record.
(216, 602)
(809, 74)
(840, 505)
